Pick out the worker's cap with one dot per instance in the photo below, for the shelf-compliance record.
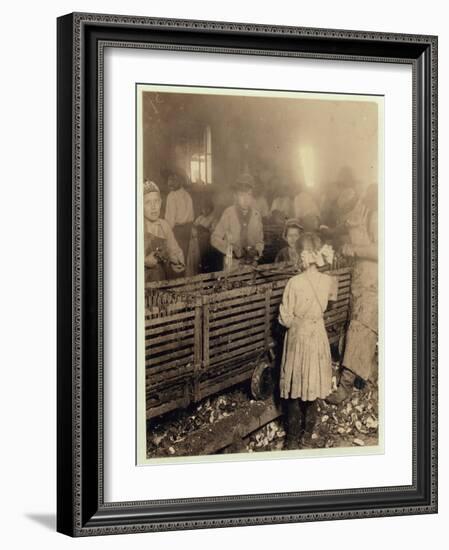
(292, 222)
(150, 187)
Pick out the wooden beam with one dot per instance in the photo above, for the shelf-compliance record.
(228, 430)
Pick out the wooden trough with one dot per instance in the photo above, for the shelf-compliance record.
(206, 333)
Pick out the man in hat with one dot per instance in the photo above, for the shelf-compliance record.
(179, 211)
(163, 256)
(239, 232)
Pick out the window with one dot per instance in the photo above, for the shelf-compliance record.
(201, 159)
(307, 159)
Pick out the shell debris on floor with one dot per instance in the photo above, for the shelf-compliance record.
(353, 423)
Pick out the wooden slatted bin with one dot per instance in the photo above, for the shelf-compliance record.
(173, 351)
(338, 313)
(206, 333)
(236, 332)
(208, 283)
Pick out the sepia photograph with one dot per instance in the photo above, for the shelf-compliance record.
(247, 274)
(259, 273)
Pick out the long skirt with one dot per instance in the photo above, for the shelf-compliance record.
(306, 368)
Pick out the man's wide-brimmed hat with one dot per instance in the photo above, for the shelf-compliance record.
(245, 182)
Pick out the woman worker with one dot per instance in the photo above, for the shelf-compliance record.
(361, 340)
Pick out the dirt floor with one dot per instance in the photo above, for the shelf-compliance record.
(233, 422)
(351, 424)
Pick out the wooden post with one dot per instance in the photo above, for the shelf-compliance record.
(268, 292)
(205, 358)
(198, 348)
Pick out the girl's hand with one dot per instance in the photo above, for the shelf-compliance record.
(178, 268)
(151, 260)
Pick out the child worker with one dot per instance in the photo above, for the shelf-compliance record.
(238, 234)
(306, 369)
(163, 256)
(292, 232)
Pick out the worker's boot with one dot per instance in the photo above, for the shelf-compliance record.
(310, 414)
(294, 424)
(344, 389)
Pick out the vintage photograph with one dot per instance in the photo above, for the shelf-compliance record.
(259, 249)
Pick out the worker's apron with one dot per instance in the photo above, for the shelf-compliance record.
(160, 271)
(182, 233)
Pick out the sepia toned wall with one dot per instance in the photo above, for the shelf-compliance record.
(300, 140)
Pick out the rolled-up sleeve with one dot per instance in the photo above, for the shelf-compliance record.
(286, 316)
(170, 210)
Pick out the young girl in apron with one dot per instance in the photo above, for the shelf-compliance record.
(306, 368)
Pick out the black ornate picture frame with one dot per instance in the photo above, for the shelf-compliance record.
(81, 509)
